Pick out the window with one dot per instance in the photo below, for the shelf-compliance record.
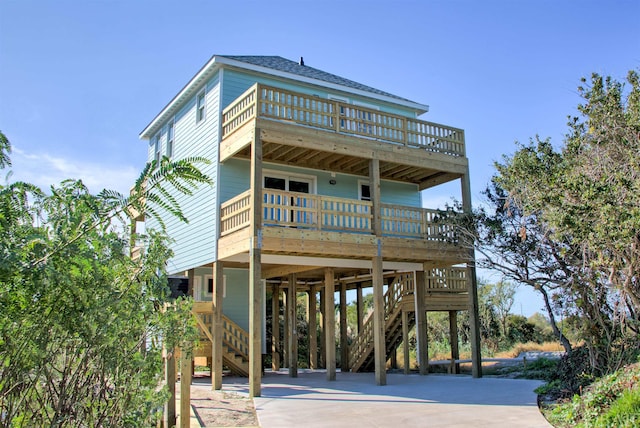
(298, 184)
(209, 281)
(156, 148)
(170, 139)
(292, 209)
(364, 191)
(200, 107)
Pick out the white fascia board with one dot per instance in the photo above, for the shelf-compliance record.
(218, 61)
(185, 93)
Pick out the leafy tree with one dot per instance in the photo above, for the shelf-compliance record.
(544, 333)
(501, 298)
(81, 322)
(566, 221)
(519, 329)
(517, 246)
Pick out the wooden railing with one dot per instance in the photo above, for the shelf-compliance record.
(303, 210)
(311, 110)
(234, 214)
(417, 222)
(453, 279)
(234, 337)
(399, 287)
(362, 343)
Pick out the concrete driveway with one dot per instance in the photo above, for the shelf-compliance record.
(353, 400)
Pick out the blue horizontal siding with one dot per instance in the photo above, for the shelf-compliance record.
(237, 82)
(235, 304)
(194, 243)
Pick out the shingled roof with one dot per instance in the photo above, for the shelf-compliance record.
(274, 65)
(285, 65)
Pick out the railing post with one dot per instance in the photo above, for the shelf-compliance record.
(405, 137)
(319, 216)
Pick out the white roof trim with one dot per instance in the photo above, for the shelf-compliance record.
(217, 62)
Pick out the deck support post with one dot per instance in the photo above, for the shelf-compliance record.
(472, 283)
(169, 419)
(359, 308)
(216, 326)
(255, 270)
(377, 278)
(185, 388)
(453, 339)
(285, 331)
(330, 323)
(293, 326)
(405, 342)
(313, 329)
(323, 322)
(378, 322)
(344, 347)
(421, 320)
(275, 328)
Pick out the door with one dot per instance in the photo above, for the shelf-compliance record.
(275, 203)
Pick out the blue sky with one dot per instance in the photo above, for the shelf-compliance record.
(80, 79)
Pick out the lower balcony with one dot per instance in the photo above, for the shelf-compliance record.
(326, 226)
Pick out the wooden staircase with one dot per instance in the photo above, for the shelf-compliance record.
(361, 355)
(445, 290)
(235, 340)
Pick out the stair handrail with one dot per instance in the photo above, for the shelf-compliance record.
(235, 337)
(392, 298)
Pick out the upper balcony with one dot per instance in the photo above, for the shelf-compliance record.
(306, 130)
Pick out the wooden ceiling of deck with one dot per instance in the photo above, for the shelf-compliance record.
(340, 163)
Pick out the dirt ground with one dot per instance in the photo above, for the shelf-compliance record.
(222, 409)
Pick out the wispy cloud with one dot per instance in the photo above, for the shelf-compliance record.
(44, 170)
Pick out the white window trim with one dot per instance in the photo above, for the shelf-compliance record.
(313, 188)
(360, 184)
(205, 286)
(157, 148)
(366, 105)
(200, 119)
(197, 289)
(338, 98)
(171, 143)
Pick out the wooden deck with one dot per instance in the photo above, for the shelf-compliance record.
(323, 226)
(300, 129)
